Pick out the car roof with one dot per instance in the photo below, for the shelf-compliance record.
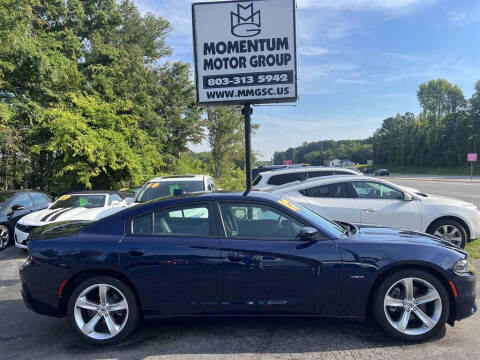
(179, 178)
(324, 180)
(303, 169)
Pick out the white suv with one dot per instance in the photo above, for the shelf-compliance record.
(169, 185)
(270, 179)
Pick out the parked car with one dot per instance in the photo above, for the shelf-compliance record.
(13, 206)
(260, 169)
(169, 185)
(367, 170)
(231, 254)
(268, 180)
(361, 199)
(382, 172)
(81, 205)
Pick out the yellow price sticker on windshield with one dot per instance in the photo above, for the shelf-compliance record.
(289, 205)
(154, 186)
(64, 197)
(149, 185)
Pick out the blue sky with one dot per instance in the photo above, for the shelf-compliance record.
(360, 62)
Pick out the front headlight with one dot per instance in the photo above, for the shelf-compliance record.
(461, 267)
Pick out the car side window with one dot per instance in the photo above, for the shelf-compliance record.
(258, 222)
(286, 178)
(39, 198)
(257, 180)
(142, 225)
(374, 190)
(184, 221)
(337, 190)
(24, 200)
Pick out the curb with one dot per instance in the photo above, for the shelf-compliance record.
(475, 181)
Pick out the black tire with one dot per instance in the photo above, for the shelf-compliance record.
(379, 311)
(4, 242)
(450, 222)
(133, 312)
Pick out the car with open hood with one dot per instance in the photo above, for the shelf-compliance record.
(237, 254)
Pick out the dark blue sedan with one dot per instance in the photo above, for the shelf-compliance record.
(230, 254)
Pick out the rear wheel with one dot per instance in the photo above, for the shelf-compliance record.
(4, 237)
(103, 311)
(411, 305)
(450, 230)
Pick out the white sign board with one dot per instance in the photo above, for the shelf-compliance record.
(245, 51)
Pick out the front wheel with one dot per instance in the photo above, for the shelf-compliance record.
(103, 311)
(411, 305)
(4, 237)
(451, 231)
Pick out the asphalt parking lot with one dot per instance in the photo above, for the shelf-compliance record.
(25, 335)
(452, 186)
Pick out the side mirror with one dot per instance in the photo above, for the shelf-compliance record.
(14, 208)
(407, 197)
(309, 234)
(115, 203)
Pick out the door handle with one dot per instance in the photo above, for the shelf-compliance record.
(136, 252)
(369, 210)
(235, 257)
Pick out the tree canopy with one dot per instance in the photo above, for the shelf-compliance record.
(88, 98)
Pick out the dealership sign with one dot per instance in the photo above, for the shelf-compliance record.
(245, 51)
(472, 157)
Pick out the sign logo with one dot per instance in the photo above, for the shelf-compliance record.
(245, 22)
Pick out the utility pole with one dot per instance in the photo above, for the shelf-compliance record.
(247, 112)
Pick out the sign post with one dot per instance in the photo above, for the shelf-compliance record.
(245, 54)
(472, 157)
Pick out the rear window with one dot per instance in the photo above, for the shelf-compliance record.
(167, 188)
(286, 178)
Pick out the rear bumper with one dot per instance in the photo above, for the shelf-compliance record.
(38, 295)
(465, 302)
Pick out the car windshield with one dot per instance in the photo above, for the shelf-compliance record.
(314, 218)
(81, 200)
(156, 190)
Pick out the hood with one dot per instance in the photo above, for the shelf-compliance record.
(48, 216)
(444, 200)
(367, 232)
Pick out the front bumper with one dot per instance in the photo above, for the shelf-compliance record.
(465, 302)
(20, 239)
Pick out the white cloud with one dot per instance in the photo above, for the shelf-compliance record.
(362, 5)
(315, 51)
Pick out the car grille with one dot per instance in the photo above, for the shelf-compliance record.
(25, 228)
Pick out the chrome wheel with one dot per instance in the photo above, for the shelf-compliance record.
(101, 311)
(449, 233)
(412, 306)
(4, 237)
